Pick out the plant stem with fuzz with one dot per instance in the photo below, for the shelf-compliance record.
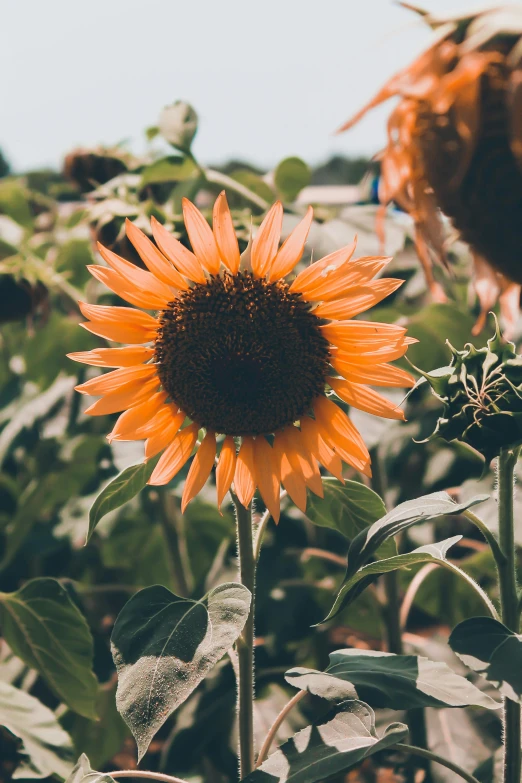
(509, 603)
(245, 643)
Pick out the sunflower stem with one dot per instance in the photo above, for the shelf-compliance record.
(245, 643)
(509, 602)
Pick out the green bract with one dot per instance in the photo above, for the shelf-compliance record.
(482, 394)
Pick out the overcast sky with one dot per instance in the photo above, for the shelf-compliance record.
(269, 78)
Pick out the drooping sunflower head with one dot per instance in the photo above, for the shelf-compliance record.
(244, 355)
(455, 143)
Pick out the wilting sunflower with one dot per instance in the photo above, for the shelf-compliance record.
(236, 350)
(455, 143)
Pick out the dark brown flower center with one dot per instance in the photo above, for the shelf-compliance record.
(241, 356)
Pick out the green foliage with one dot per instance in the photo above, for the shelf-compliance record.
(396, 682)
(46, 748)
(164, 645)
(120, 490)
(329, 748)
(290, 177)
(488, 647)
(45, 629)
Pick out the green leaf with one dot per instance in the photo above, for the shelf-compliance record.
(403, 516)
(122, 488)
(322, 750)
(100, 739)
(356, 583)
(178, 124)
(348, 508)
(164, 645)
(385, 680)
(83, 773)
(46, 747)
(489, 647)
(44, 628)
(170, 169)
(291, 176)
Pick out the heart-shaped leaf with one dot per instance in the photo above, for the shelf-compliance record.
(349, 508)
(45, 629)
(403, 516)
(384, 680)
(164, 645)
(83, 773)
(122, 488)
(322, 750)
(46, 747)
(489, 647)
(358, 582)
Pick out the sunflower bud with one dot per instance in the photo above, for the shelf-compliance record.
(482, 394)
(178, 125)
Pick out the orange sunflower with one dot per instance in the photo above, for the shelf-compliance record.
(241, 357)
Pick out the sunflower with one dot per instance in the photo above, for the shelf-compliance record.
(242, 358)
(455, 143)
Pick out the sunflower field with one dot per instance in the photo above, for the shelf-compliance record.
(259, 448)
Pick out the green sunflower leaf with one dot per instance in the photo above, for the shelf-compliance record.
(44, 628)
(164, 645)
(330, 748)
(122, 488)
(489, 647)
(396, 682)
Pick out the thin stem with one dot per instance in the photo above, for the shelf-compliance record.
(509, 602)
(261, 528)
(322, 554)
(488, 535)
(267, 744)
(476, 587)
(411, 592)
(245, 643)
(391, 609)
(138, 773)
(427, 754)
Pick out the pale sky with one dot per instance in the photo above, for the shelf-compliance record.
(269, 78)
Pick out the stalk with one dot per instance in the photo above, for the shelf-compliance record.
(509, 602)
(245, 643)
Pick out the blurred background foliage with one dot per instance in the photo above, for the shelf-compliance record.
(54, 460)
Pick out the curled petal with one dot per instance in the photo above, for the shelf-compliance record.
(225, 235)
(226, 468)
(200, 469)
(266, 241)
(175, 456)
(244, 481)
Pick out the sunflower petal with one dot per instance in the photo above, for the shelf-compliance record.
(332, 419)
(201, 237)
(368, 354)
(318, 448)
(113, 357)
(175, 456)
(122, 287)
(125, 397)
(225, 235)
(291, 476)
(138, 416)
(225, 469)
(266, 241)
(266, 476)
(292, 248)
(374, 375)
(319, 270)
(244, 481)
(300, 458)
(365, 399)
(200, 469)
(120, 315)
(154, 259)
(163, 434)
(140, 278)
(185, 261)
(111, 381)
(339, 281)
(361, 299)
